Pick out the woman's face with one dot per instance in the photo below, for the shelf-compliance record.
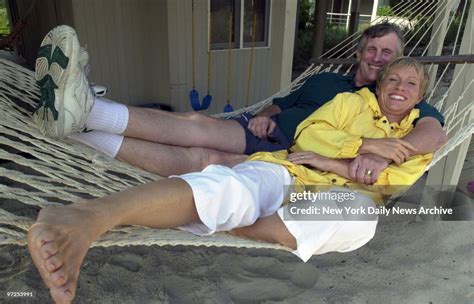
(399, 92)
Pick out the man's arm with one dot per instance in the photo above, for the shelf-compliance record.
(270, 111)
(427, 136)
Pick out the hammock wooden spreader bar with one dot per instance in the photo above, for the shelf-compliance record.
(453, 59)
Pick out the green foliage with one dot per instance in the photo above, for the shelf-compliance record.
(334, 34)
(384, 11)
(422, 29)
(304, 18)
(304, 37)
(453, 30)
(4, 25)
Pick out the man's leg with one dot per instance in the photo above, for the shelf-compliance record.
(68, 105)
(61, 236)
(166, 160)
(186, 130)
(177, 129)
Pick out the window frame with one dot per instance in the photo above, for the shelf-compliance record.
(239, 43)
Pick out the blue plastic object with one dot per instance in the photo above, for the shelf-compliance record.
(196, 104)
(228, 108)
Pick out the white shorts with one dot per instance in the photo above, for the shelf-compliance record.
(228, 198)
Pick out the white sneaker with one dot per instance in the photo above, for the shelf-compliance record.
(66, 98)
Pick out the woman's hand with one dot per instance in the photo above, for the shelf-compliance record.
(395, 149)
(309, 158)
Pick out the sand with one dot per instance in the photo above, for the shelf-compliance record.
(406, 262)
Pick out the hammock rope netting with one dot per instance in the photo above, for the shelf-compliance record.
(37, 171)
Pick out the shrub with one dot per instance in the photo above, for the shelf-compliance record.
(384, 11)
(453, 29)
(334, 34)
(4, 26)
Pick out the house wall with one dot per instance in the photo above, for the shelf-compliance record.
(142, 50)
(127, 44)
(271, 65)
(45, 15)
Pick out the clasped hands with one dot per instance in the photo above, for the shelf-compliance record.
(375, 155)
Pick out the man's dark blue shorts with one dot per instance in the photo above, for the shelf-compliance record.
(277, 141)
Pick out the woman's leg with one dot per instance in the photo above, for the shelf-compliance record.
(61, 236)
(201, 202)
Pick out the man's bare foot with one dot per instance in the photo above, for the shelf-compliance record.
(58, 243)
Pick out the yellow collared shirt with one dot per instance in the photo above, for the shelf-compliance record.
(336, 130)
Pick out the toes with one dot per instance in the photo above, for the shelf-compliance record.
(39, 236)
(48, 250)
(53, 263)
(59, 277)
(65, 293)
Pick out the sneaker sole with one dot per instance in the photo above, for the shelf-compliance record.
(57, 57)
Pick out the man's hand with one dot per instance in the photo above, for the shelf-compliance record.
(364, 163)
(261, 126)
(395, 149)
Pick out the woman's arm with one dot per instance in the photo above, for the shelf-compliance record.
(322, 163)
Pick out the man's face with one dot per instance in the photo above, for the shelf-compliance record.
(399, 92)
(377, 52)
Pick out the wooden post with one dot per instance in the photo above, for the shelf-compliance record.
(354, 21)
(444, 176)
(438, 36)
(319, 27)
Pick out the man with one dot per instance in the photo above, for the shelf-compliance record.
(173, 143)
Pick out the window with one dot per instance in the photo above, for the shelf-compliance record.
(242, 13)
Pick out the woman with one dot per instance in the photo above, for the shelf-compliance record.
(221, 198)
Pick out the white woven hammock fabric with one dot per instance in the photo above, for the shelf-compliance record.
(36, 171)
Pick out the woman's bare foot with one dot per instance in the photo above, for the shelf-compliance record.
(58, 243)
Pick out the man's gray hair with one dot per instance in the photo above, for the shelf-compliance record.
(380, 30)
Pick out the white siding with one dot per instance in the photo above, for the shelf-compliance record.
(127, 42)
(142, 51)
(265, 65)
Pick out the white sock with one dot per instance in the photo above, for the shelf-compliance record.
(108, 116)
(104, 142)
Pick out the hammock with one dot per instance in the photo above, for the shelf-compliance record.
(37, 171)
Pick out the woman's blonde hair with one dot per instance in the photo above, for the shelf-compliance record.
(402, 62)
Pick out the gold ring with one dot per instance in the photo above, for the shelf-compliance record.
(368, 172)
